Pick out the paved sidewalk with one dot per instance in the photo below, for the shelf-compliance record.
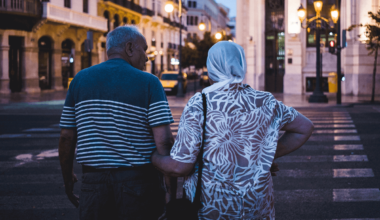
(58, 97)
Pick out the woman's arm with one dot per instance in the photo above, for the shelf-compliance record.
(296, 134)
(171, 167)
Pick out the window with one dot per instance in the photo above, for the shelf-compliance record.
(188, 36)
(67, 3)
(191, 20)
(153, 6)
(196, 20)
(327, 33)
(188, 20)
(195, 36)
(194, 4)
(125, 20)
(116, 22)
(85, 6)
(189, 4)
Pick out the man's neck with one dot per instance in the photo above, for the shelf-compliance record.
(116, 56)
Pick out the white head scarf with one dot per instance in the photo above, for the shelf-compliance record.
(226, 64)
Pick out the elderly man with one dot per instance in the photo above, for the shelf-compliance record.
(117, 116)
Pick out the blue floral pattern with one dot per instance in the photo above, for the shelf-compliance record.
(241, 139)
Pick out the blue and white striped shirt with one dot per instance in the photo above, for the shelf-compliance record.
(114, 107)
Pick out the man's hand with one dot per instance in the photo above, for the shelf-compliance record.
(69, 188)
(274, 169)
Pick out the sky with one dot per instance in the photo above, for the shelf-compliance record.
(231, 4)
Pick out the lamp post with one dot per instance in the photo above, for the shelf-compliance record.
(317, 95)
(169, 8)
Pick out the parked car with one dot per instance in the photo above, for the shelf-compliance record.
(204, 80)
(169, 80)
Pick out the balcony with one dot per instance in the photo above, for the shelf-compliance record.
(128, 4)
(147, 12)
(74, 18)
(20, 14)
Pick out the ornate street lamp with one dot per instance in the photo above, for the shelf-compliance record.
(317, 95)
(169, 8)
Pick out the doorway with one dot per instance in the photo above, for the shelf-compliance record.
(67, 60)
(44, 62)
(274, 45)
(15, 63)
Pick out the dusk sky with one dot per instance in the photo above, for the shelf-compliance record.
(231, 4)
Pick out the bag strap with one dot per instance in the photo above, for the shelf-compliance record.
(197, 198)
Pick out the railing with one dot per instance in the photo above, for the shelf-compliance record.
(32, 7)
(128, 4)
(68, 16)
(147, 12)
(166, 20)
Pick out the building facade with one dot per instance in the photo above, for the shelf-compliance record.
(161, 29)
(281, 56)
(43, 46)
(214, 15)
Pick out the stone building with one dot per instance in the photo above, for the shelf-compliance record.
(281, 56)
(161, 29)
(214, 15)
(42, 42)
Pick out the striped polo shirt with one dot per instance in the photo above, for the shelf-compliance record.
(114, 107)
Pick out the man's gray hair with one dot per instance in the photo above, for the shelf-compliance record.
(118, 38)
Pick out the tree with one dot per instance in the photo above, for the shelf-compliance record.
(373, 40)
(189, 56)
(203, 48)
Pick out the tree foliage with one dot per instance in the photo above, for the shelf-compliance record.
(372, 34)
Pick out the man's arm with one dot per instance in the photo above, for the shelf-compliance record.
(67, 145)
(296, 134)
(164, 140)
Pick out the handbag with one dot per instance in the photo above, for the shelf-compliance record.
(184, 209)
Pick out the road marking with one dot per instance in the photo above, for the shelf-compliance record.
(336, 131)
(327, 173)
(53, 135)
(35, 202)
(356, 195)
(42, 130)
(333, 122)
(353, 173)
(323, 158)
(347, 138)
(350, 158)
(348, 147)
(335, 126)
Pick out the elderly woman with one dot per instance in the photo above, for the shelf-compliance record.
(242, 140)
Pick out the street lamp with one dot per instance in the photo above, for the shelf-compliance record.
(218, 36)
(202, 26)
(317, 95)
(169, 8)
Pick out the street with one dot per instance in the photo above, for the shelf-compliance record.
(335, 175)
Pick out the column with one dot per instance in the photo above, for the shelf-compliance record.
(30, 79)
(56, 70)
(4, 70)
(293, 49)
(78, 62)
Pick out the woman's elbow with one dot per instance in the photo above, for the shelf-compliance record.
(310, 128)
(181, 170)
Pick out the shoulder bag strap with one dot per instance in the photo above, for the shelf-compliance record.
(197, 198)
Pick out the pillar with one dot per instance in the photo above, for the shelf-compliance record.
(56, 70)
(4, 69)
(30, 79)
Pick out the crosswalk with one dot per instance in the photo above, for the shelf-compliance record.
(331, 172)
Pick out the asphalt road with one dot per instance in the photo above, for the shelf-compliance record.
(335, 175)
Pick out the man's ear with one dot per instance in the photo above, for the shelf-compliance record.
(129, 49)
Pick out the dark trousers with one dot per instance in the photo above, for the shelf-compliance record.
(122, 194)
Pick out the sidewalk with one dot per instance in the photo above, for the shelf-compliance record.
(58, 97)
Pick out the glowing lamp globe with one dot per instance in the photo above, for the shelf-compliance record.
(218, 36)
(202, 26)
(301, 12)
(335, 15)
(318, 6)
(169, 7)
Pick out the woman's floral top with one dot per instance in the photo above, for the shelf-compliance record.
(241, 139)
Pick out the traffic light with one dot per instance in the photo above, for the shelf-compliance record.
(332, 47)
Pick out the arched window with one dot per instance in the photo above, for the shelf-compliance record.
(125, 20)
(107, 16)
(44, 62)
(67, 61)
(116, 22)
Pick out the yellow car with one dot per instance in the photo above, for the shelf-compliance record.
(169, 80)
